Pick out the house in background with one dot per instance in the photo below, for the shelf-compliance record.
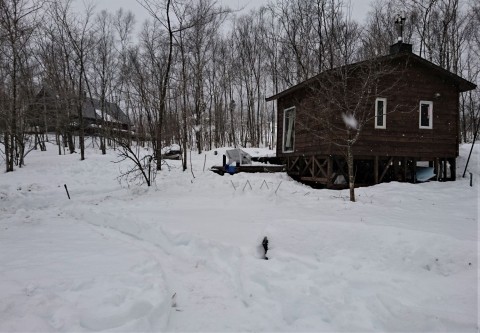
(53, 110)
(112, 117)
(412, 121)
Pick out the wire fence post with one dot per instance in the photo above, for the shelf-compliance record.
(248, 185)
(264, 182)
(278, 187)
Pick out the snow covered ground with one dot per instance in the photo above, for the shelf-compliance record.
(184, 254)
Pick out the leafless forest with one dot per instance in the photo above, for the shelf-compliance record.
(197, 74)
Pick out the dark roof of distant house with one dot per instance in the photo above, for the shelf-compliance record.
(91, 108)
(463, 85)
(112, 112)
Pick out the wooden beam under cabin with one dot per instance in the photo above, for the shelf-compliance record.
(453, 168)
(386, 168)
(329, 170)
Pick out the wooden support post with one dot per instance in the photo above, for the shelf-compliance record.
(453, 169)
(396, 172)
(341, 167)
(292, 162)
(306, 161)
(303, 163)
(444, 169)
(386, 168)
(414, 170)
(321, 173)
(312, 167)
(437, 168)
(375, 169)
(405, 168)
(440, 170)
(329, 170)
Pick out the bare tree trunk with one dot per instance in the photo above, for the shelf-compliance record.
(13, 115)
(6, 137)
(184, 111)
(163, 91)
(351, 175)
(81, 131)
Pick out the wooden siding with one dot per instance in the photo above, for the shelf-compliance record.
(402, 136)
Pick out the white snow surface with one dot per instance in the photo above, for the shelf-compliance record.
(184, 255)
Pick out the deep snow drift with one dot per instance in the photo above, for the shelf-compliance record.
(184, 255)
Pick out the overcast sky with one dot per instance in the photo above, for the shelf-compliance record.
(359, 7)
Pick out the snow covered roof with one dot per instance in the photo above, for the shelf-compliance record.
(92, 109)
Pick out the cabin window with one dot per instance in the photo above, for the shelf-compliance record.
(381, 113)
(426, 114)
(288, 129)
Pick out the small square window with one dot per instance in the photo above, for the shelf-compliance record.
(381, 113)
(426, 114)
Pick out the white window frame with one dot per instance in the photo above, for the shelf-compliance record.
(285, 111)
(430, 115)
(384, 116)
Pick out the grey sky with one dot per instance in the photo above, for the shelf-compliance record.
(359, 7)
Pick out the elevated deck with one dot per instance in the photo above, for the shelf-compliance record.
(325, 170)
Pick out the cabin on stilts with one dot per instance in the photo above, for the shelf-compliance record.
(391, 115)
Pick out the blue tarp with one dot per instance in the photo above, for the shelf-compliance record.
(230, 169)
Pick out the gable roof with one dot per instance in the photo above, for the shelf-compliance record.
(91, 107)
(462, 84)
(92, 110)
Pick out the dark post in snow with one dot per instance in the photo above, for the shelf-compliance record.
(471, 149)
(265, 246)
(66, 189)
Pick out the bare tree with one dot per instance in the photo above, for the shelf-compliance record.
(104, 69)
(57, 92)
(18, 20)
(122, 89)
(78, 40)
(470, 101)
(203, 19)
(154, 8)
(380, 31)
(340, 103)
(140, 163)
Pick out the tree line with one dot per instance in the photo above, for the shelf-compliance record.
(196, 73)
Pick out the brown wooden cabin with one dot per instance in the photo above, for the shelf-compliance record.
(410, 119)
